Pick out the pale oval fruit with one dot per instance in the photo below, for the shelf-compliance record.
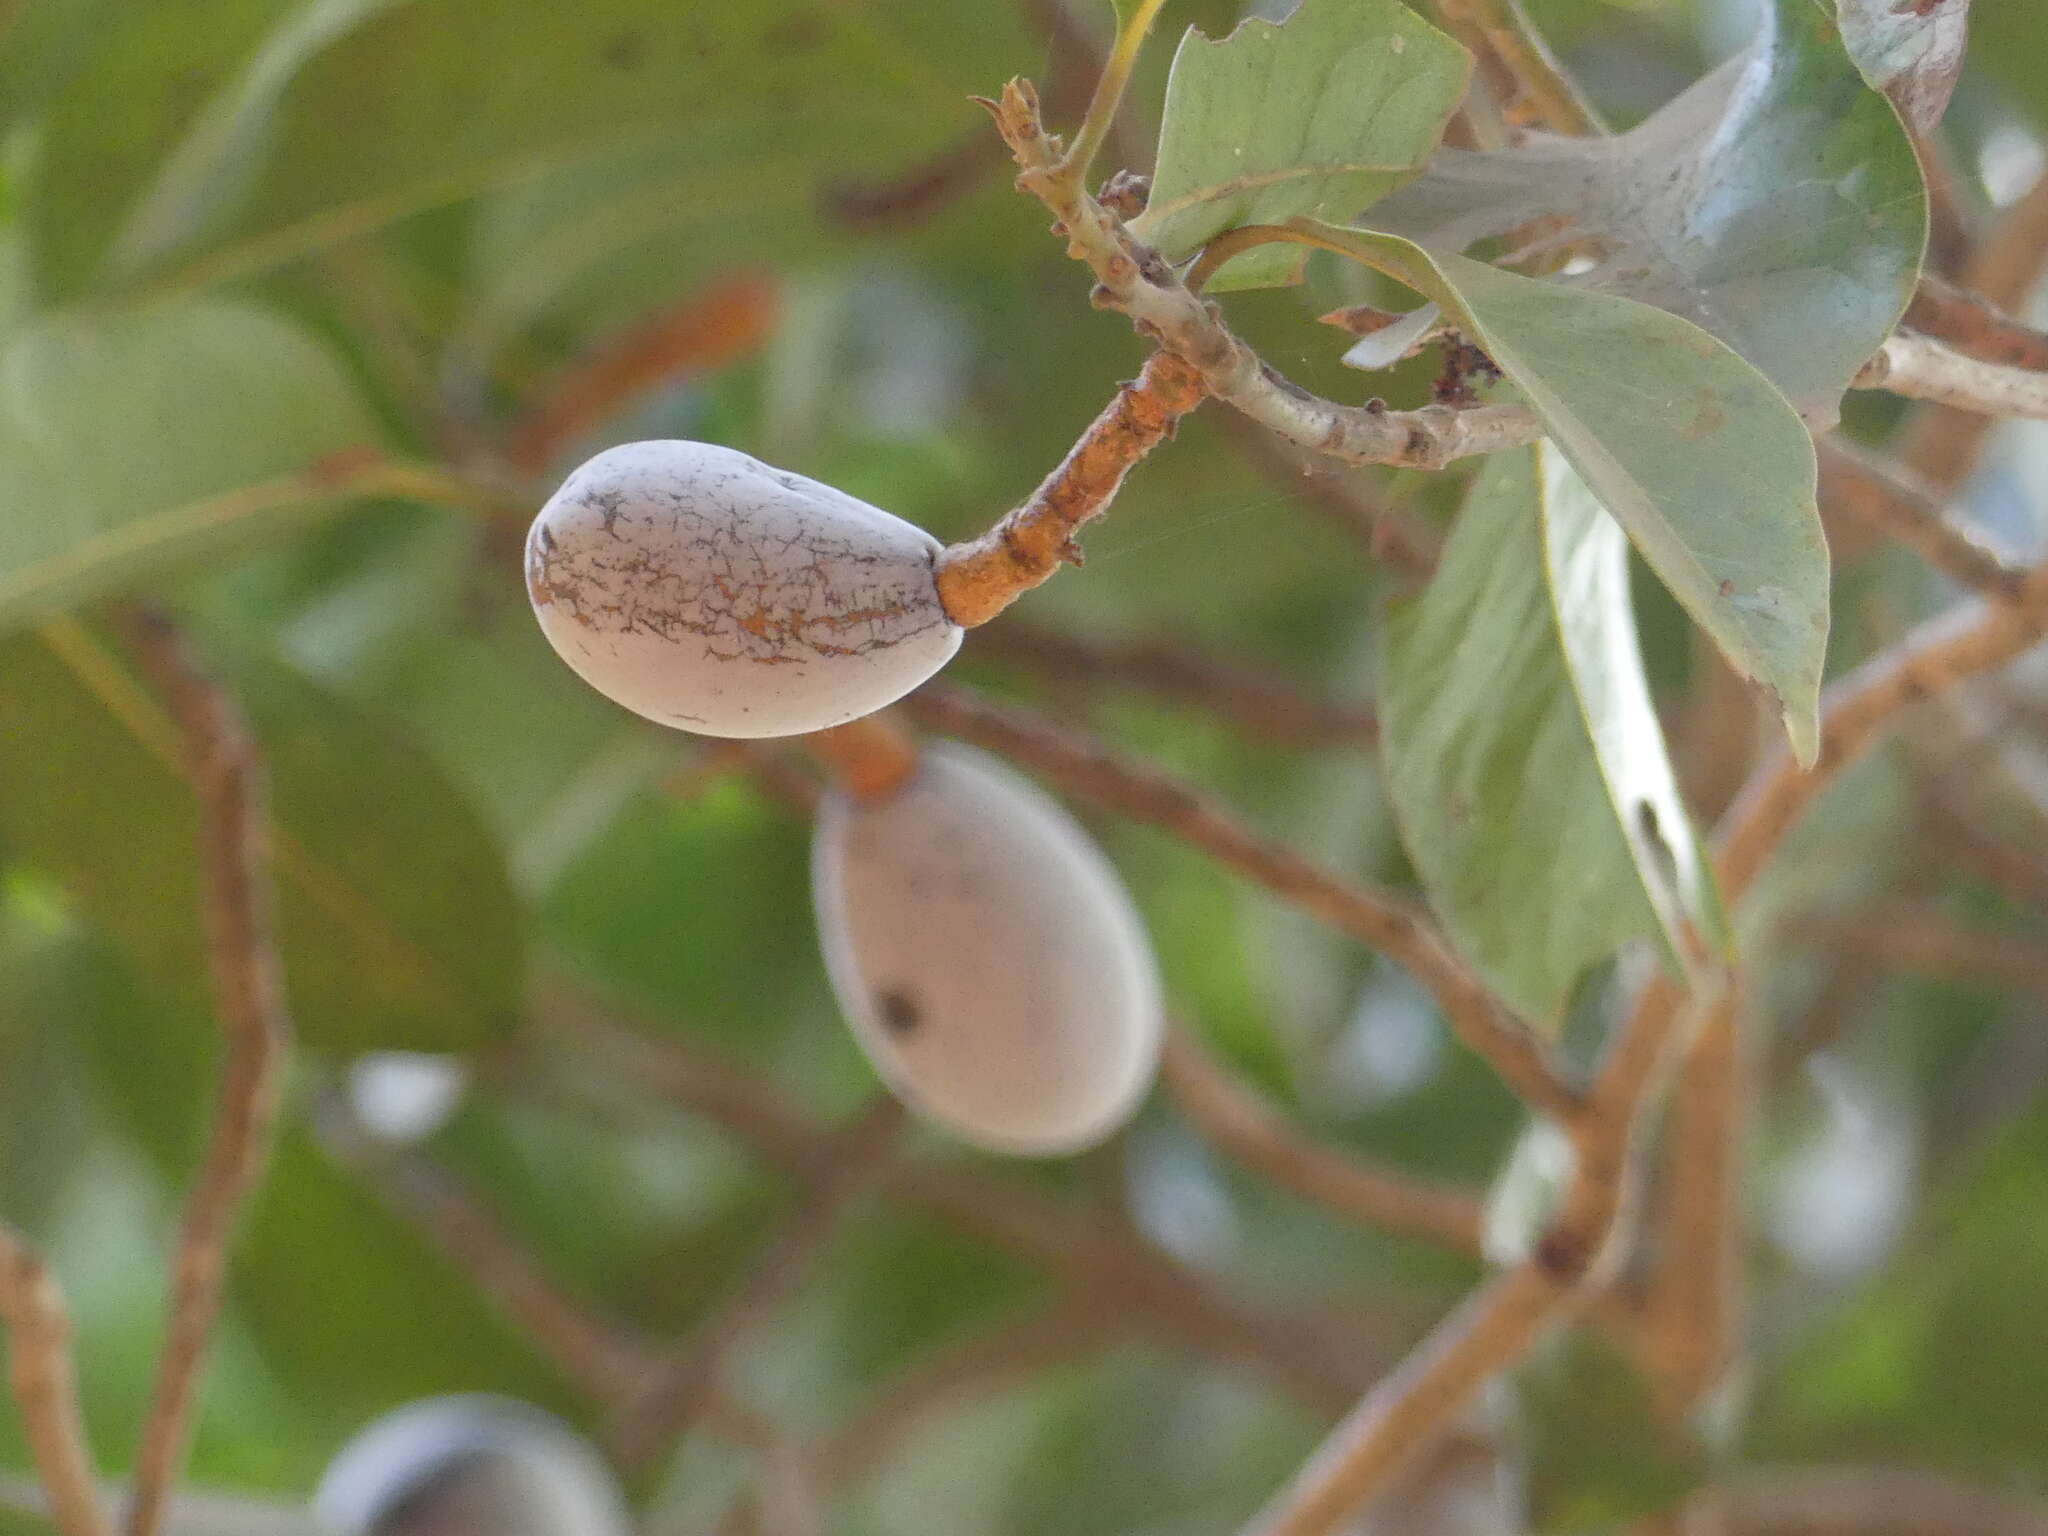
(714, 593)
(469, 1465)
(987, 956)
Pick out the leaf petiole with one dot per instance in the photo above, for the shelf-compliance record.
(1134, 21)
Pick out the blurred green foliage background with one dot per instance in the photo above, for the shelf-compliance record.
(299, 300)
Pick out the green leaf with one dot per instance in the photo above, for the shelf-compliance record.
(1523, 759)
(46, 1124)
(699, 907)
(147, 437)
(1702, 462)
(353, 1308)
(149, 74)
(1697, 210)
(1321, 114)
(1940, 1356)
(41, 44)
(605, 244)
(1913, 53)
(444, 99)
(396, 921)
(1595, 1452)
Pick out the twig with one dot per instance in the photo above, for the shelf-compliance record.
(2003, 272)
(1404, 934)
(1693, 1313)
(709, 329)
(1873, 1501)
(1691, 1297)
(1320, 1359)
(1935, 656)
(1921, 368)
(233, 857)
(1481, 121)
(843, 1168)
(977, 1365)
(2019, 873)
(1496, 1324)
(1888, 497)
(39, 1369)
(1134, 280)
(1940, 445)
(1937, 455)
(1920, 938)
(1974, 326)
(1268, 704)
(908, 198)
(1544, 94)
(603, 1359)
(1234, 1116)
(1714, 732)
(981, 577)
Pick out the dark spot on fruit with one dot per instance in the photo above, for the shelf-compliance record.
(898, 1011)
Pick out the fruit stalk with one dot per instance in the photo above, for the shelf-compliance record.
(978, 579)
(870, 758)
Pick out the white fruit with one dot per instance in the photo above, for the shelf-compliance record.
(469, 1465)
(987, 956)
(711, 592)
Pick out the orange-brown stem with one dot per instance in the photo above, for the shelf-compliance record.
(1974, 326)
(869, 757)
(980, 578)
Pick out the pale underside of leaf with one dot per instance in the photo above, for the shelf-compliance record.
(1911, 52)
(1390, 343)
(1694, 211)
(1585, 554)
(1523, 758)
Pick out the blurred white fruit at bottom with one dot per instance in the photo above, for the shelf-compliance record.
(469, 1465)
(987, 956)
